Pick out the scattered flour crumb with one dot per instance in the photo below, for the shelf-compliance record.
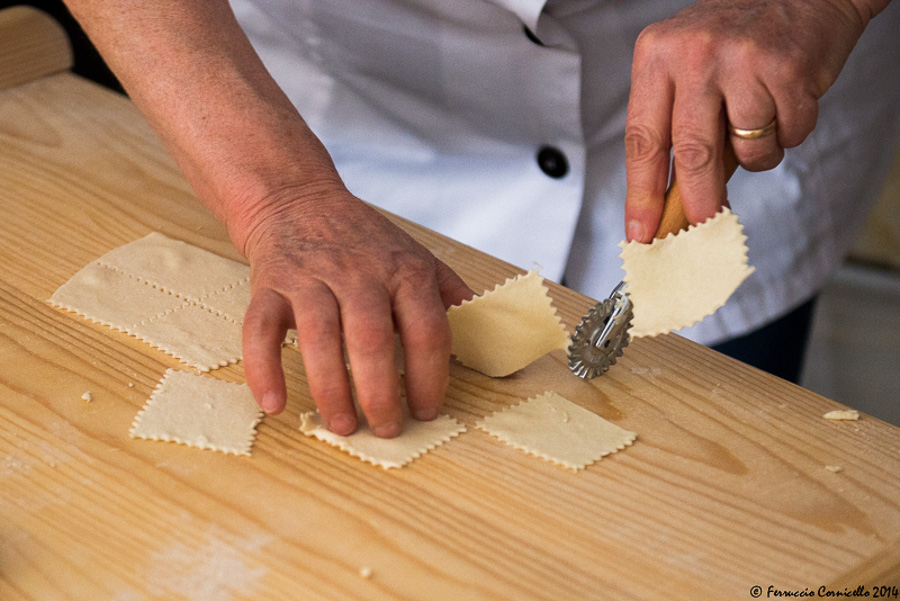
(365, 572)
(834, 468)
(131, 385)
(87, 397)
(842, 415)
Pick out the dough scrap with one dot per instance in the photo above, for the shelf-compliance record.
(507, 328)
(200, 412)
(183, 300)
(551, 427)
(416, 439)
(851, 415)
(679, 280)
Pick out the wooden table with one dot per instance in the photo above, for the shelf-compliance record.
(725, 489)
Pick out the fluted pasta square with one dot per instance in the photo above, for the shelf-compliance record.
(554, 428)
(178, 298)
(679, 280)
(507, 328)
(201, 412)
(417, 439)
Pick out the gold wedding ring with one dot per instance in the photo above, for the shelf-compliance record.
(753, 134)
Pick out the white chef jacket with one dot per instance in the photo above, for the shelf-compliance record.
(437, 111)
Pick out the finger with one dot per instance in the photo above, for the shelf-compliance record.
(452, 288)
(647, 143)
(697, 140)
(751, 107)
(267, 320)
(369, 335)
(425, 333)
(319, 338)
(798, 111)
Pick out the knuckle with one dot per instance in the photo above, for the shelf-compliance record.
(646, 45)
(642, 145)
(380, 407)
(700, 46)
(744, 51)
(371, 338)
(429, 333)
(415, 271)
(789, 73)
(317, 332)
(672, 43)
(789, 65)
(792, 69)
(693, 156)
(258, 322)
(330, 393)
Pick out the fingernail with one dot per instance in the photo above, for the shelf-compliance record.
(425, 415)
(635, 231)
(343, 424)
(270, 402)
(388, 430)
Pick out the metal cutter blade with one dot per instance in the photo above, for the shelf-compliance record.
(601, 336)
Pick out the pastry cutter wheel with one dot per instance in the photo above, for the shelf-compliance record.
(602, 335)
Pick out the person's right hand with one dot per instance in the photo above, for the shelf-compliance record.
(744, 62)
(337, 270)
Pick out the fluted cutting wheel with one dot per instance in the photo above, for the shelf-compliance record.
(600, 337)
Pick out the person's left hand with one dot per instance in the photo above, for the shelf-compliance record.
(743, 63)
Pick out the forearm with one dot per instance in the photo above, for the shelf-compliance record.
(192, 72)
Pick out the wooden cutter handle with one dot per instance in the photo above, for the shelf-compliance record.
(673, 219)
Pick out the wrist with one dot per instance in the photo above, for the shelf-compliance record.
(255, 213)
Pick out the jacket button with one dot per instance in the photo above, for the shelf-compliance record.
(552, 162)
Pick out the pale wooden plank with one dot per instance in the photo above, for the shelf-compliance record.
(882, 569)
(32, 45)
(725, 488)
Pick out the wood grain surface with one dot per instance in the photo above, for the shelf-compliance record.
(31, 45)
(725, 489)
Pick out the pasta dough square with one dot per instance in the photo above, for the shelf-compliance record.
(200, 412)
(176, 266)
(178, 298)
(230, 302)
(416, 439)
(679, 280)
(507, 328)
(553, 428)
(98, 293)
(194, 335)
